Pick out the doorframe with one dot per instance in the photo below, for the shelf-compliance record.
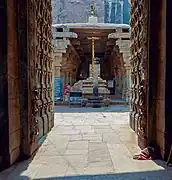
(4, 118)
(22, 18)
(168, 83)
(153, 60)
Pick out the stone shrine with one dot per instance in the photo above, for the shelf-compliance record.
(86, 86)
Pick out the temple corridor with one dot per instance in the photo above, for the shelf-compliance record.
(88, 144)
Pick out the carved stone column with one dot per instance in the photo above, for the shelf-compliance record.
(57, 64)
(36, 57)
(139, 61)
(123, 42)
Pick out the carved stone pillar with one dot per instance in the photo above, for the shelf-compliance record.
(36, 72)
(57, 64)
(139, 61)
(128, 83)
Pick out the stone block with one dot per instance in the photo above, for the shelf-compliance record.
(160, 94)
(122, 161)
(99, 168)
(41, 127)
(13, 87)
(14, 114)
(46, 124)
(98, 152)
(51, 170)
(111, 138)
(12, 42)
(160, 115)
(14, 155)
(14, 140)
(160, 138)
(93, 20)
(77, 160)
(92, 137)
(77, 145)
(76, 172)
(76, 137)
(76, 152)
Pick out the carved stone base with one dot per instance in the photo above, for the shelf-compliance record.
(132, 121)
(95, 102)
(142, 141)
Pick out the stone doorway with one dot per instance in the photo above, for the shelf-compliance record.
(168, 85)
(28, 53)
(26, 68)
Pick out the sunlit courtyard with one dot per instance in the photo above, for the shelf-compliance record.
(88, 143)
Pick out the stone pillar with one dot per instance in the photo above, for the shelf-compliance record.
(123, 43)
(57, 72)
(68, 77)
(139, 61)
(96, 69)
(57, 64)
(64, 73)
(124, 49)
(128, 84)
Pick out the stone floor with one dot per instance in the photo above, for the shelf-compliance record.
(89, 144)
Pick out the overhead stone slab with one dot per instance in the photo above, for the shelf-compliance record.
(118, 35)
(64, 35)
(91, 25)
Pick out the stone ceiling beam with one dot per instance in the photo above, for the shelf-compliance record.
(64, 35)
(119, 35)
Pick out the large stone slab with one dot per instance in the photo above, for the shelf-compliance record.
(77, 145)
(98, 152)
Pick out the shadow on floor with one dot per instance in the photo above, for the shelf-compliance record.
(76, 109)
(145, 175)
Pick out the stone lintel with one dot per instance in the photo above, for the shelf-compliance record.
(89, 25)
(64, 35)
(119, 35)
(59, 51)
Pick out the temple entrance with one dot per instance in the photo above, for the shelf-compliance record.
(26, 70)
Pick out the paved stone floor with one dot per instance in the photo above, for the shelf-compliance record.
(89, 144)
